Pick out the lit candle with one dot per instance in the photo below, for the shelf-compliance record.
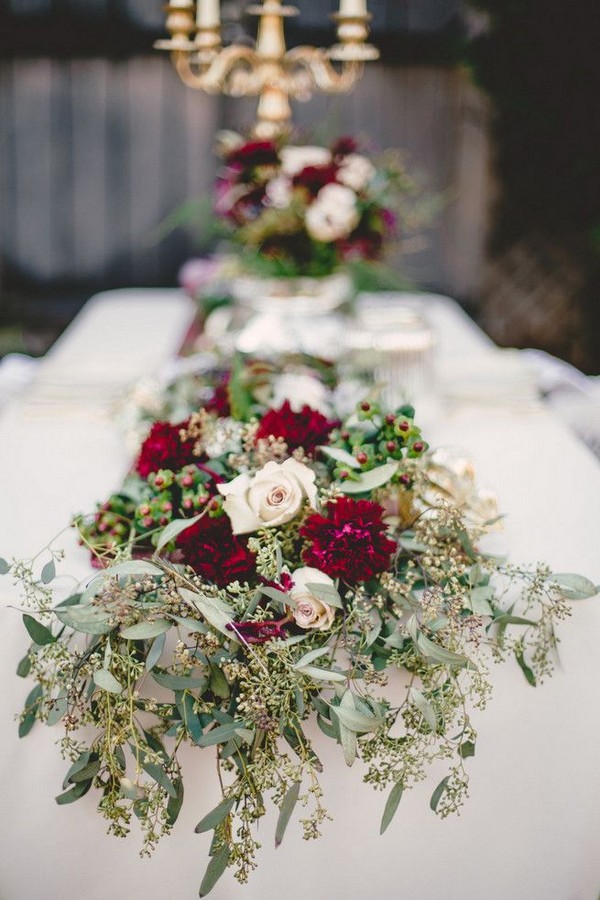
(208, 14)
(353, 7)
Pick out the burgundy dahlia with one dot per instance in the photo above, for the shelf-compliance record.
(307, 428)
(349, 542)
(313, 178)
(254, 153)
(211, 549)
(344, 146)
(164, 449)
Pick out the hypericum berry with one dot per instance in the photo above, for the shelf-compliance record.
(147, 521)
(365, 406)
(203, 500)
(159, 481)
(345, 435)
(344, 474)
(187, 481)
(214, 504)
(145, 510)
(163, 520)
(102, 527)
(362, 458)
(404, 426)
(418, 446)
(390, 418)
(405, 479)
(167, 506)
(391, 446)
(188, 503)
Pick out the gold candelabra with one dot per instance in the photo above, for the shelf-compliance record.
(267, 70)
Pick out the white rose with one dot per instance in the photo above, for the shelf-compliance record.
(333, 215)
(271, 497)
(279, 192)
(301, 390)
(356, 171)
(294, 159)
(309, 611)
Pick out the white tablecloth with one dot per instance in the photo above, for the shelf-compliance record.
(531, 828)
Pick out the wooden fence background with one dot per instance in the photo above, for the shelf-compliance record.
(94, 154)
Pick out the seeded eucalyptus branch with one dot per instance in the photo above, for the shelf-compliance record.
(353, 593)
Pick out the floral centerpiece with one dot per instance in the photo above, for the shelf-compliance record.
(302, 211)
(268, 562)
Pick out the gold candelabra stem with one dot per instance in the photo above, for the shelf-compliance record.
(269, 70)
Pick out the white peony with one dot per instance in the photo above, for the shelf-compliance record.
(279, 192)
(333, 215)
(300, 390)
(356, 171)
(294, 159)
(273, 496)
(309, 611)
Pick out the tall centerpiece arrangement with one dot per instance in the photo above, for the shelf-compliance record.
(280, 568)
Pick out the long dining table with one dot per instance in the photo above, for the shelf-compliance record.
(531, 827)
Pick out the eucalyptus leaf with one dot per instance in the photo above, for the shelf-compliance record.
(437, 794)
(393, 801)
(87, 619)
(369, 481)
(58, 709)
(38, 633)
(87, 772)
(4, 567)
(348, 736)
(341, 456)
(24, 667)
(214, 870)
(424, 706)
(189, 717)
(175, 803)
(285, 811)
(311, 656)
(327, 593)
(318, 674)
(81, 761)
(574, 587)
(214, 818)
(480, 597)
(527, 670)
(48, 572)
(466, 749)
(178, 682)
(145, 630)
(507, 619)
(440, 654)
(216, 612)
(221, 734)
(106, 681)
(155, 652)
(175, 528)
(130, 567)
(74, 793)
(356, 721)
(157, 774)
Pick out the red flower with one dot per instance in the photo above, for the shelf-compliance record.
(344, 147)
(307, 428)
(350, 542)
(259, 632)
(254, 153)
(211, 549)
(219, 403)
(313, 178)
(164, 449)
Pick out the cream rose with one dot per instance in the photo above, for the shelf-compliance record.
(356, 171)
(294, 159)
(310, 612)
(271, 497)
(279, 192)
(333, 215)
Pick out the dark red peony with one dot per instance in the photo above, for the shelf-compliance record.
(313, 178)
(164, 449)
(211, 549)
(307, 428)
(254, 153)
(349, 542)
(344, 146)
